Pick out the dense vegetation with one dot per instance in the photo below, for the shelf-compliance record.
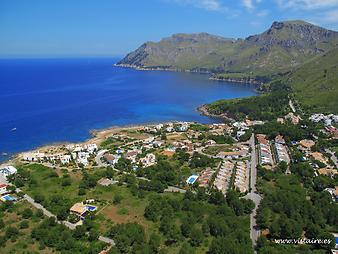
(190, 224)
(265, 107)
(292, 206)
(316, 83)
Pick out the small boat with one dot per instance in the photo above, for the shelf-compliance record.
(4, 154)
(14, 129)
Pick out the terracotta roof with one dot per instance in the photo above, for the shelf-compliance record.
(78, 208)
(307, 143)
(168, 153)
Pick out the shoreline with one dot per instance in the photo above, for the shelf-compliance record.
(96, 136)
(204, 112)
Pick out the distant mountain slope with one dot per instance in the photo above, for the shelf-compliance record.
(182, 51)
(282, 47)
(315, 83)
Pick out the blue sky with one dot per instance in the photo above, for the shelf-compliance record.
(45, 28)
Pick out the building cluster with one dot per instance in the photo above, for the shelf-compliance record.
(264, 150)
(74, 153)
(316, 158)
(239, 151)
(205, 177)
(223, 177)
(5, 172)
(242, 127)
(168, 127)
(241, 182)
(281, 150)
(133, 152)
(326, 119)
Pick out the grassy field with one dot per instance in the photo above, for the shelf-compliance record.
(214, 150)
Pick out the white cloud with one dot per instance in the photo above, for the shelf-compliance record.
(248, 4)
(307, 4)
(210, 5)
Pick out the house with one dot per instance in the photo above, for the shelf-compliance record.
(280, 139)
(319, 157)
(111, 158)
(239, 134)
(280, 120)
(148, 160)
(78, 209)
(3, 188)
(65, 159)
(168, 153)
(184, 127)
(105, 182)
(205, 177)
(306, 144)
(210, 142)
(292, 118)
(327, 171)
(231, 155)
(157, 143)
(7, 171)
(131, 155)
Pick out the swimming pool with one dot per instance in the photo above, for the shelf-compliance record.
(192, 179)
(8, 198)
(91, 208)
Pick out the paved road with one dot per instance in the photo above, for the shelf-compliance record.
(98, 157)
(292, 106)
(38, 206)
(256, 198)
(174, 189)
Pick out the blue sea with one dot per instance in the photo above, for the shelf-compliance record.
(55, 100)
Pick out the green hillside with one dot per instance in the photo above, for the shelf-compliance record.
(315, 83)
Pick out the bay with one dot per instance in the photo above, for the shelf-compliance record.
(44, 101)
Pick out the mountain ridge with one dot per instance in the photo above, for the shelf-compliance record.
(279, 49)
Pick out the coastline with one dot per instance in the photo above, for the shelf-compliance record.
(204, 112)
(96, 136)
(248, 81)
(139, 68)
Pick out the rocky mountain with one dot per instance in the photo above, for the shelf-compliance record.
(284, 46)
(181, 51)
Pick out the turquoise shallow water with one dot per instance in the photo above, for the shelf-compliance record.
(55, 100)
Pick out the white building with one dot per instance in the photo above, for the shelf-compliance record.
(148, 160)
(3, 188)
(7, 171)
